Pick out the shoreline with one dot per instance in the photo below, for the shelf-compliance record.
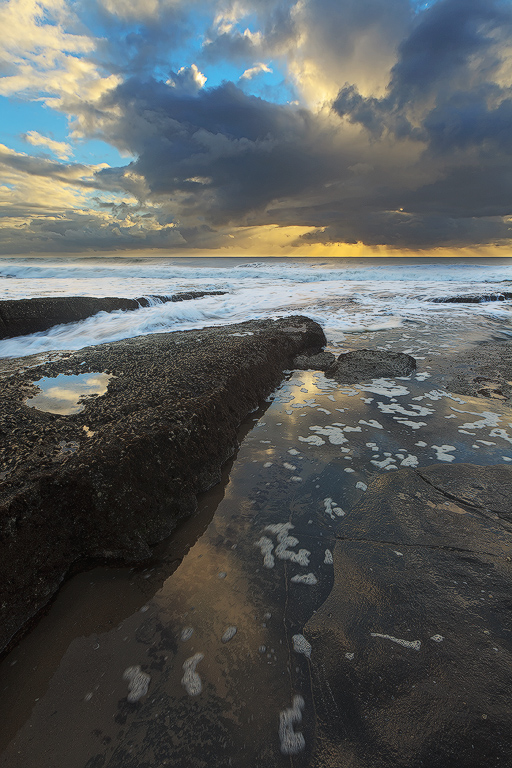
(159, 436)
(384, 617)
(483, 370)
(20, 317)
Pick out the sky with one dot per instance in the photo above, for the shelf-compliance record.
(266, 127)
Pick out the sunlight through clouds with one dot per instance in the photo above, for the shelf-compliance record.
(383, 124)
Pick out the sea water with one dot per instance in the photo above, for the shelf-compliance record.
(346, 296)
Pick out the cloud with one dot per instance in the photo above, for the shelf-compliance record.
(255, 70)
(271, 33)
(42, 56)
(188, 80)
(252, 152)
(452, 57)
(136, 10)
(400, 134)
(59, 148)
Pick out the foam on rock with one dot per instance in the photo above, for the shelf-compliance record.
(138, 683)
(191, 680)
(291, 743)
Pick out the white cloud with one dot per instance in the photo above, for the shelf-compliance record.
(255, 70)
(188, 79)
(139, 9)
(43, 59)
(60, 149)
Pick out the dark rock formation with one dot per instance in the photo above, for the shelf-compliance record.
(319, 362)
(364, 364)
(472, 298)
(159, 436)
(412, 651)
(480, 370)
(18, 318)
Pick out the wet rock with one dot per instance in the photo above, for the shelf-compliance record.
(364, 364)
(482, 370)
(25, 316)
(411, 652)
(156, 438)
(187, 296)
(320, 362)
(472, 298)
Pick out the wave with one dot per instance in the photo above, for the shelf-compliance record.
(295, 271)
(344, 295)
(208, 311)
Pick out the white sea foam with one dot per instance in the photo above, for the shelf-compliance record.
(291, 742)
(308, 578)
(443, 452)
(333, 509)
(138, 683)
(414, 644)
(312, 440)
(371, 423)
(266, 546)
(284, 543)
(414, 410)
(334, 434)
(340, 294)
(229, 634)
(191, 680)
(301, 645)
(501, 433)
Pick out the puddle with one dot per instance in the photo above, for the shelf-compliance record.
(221, 634)
(65, 394)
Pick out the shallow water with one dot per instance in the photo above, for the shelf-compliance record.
(64, 394)
(215, 696)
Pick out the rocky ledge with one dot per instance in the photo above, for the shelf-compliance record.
(365, 364)
(359, 365)
(411, 652)
(112, 480)
(472, 298)
(25, 316)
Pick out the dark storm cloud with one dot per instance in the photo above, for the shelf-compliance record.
(277, 29)
(230, 157)
(440, 48)
(136, 41)
(444, 72)
(228, 154)
(75, 232)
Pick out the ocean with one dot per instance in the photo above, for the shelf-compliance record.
(346, 296)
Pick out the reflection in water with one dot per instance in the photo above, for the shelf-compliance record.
(65, 394)
(221, 636)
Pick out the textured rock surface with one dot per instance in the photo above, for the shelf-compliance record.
(412, 650)
(483, 370)
(364, 364)
(32, 315)
(158, 436)
(320, 362)
(472, 298)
